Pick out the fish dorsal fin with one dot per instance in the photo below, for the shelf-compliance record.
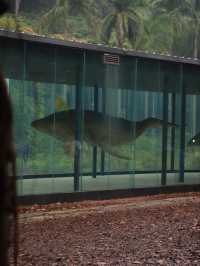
(60, 104)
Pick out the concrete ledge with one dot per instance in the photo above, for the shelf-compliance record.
(102, 195)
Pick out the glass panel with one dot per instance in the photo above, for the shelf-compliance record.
(172, 86)
(12, 54)
(44, 100)
(119, 89)
(192, 148)
(148, 111)
(109, 133)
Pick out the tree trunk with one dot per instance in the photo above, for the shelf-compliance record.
(120, 30)
(196, 37)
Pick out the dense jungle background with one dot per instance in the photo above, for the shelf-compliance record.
(163, 26)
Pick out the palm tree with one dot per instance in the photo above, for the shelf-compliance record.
(86, 11)
(55, 20)
(124, 21)
(158, 35)
(167, 14)
(184, 18)
(77, 7)
(193, 13)
(68, 17)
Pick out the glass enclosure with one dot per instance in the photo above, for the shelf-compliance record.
(91, 120)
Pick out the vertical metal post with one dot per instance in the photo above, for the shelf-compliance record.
(22, 107)
(135, 82)
(164, 134)
(182, 136)
(173, 130)
(103, 111)
(195, 114)
(78, 128)
(94, 155)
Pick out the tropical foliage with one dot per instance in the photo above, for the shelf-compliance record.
(13, 23)
(124, 21)
(184, 19)
(164, 26)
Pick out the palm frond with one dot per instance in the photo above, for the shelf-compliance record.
(54, 19)
(108, 27)
(77, 7)
(133, 29)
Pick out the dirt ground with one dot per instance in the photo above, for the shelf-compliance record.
(152, 230)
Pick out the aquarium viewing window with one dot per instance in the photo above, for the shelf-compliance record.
(91, 118)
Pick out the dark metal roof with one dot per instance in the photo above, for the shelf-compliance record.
(97, 47)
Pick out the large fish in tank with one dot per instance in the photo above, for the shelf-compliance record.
(104, 131)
